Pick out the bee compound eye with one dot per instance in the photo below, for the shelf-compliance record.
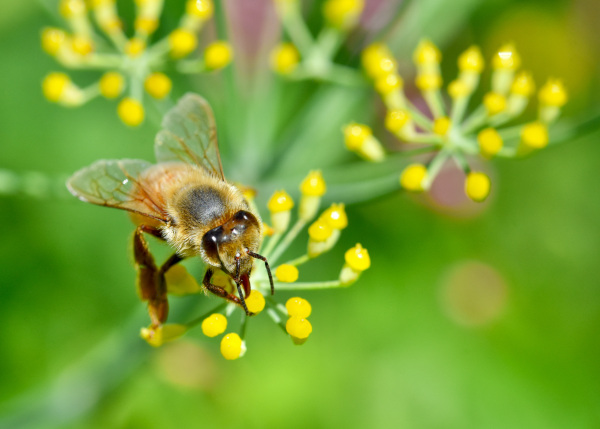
(242, 216)
(211, 240)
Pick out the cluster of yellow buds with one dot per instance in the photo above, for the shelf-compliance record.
(311, 57)
(444, 129)
(292, 318)
(130, 63)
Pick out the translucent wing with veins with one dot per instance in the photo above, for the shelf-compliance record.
(114, 183)
(189, 135)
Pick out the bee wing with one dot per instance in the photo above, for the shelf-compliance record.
(113, 183)
(189, 134)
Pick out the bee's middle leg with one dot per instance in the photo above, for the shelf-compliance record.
(152, 286)
(219, 291)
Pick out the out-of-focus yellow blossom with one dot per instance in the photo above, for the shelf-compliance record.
(218, 55)
(111, 84)
(158, 85)
(131, 112)
(285, 58)
(286, 273)
(412, 177)
(214, 325)
(477, 186)
(232, 346)
(359, 138)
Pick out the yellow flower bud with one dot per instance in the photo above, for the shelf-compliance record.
(357, 258)
(553, 93)
(284, 58)
(442, 125)
(342, 14)
(54, 86)
(477, 186)
(202, 9)
(232, 346)
(471, 60)
(489, 141)
(135, 47)
(298, 327)
(535, 135)
(494, 103)
(131, 112)
(378, 61)
(214, 325)
(506, 58)
(313, 184)
(82, 45)
(426, 54)
(389, 83)
(280, 201)
(53, 39)
(396, 120)
(111, 84)
(412, 177)
(298, 307)
(182, 42)
(429, 81)
(145, 25)
(255, 302)
(72, 8)
(280, 205)
(355, 135)
(286, 273)
(158, 85)
(335, 216)
(217, 55)
(523, 84)
(320, 230)
(458, 89)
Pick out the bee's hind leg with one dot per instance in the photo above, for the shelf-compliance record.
(152, 286)
(219, 291)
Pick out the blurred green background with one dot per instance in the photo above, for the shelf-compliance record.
(469, 317)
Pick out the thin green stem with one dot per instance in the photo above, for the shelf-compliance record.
(477, 119)
(435, 102)
(299, 260)
(273, 240)
(287, 240)
(308, 285)
(435, 166)
(296, 27)
(419, 118)
(192, 66)
(199, 319)
(328, 42)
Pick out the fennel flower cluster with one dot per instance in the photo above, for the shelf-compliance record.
(131, 62)
(448, 129)
(323, 232)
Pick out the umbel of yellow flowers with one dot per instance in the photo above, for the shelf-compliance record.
(129, 67)
(453, 133)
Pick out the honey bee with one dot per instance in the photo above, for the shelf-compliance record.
(184, 200)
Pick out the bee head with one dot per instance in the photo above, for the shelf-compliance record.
(227, 246)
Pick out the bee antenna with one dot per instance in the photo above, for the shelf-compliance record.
(262, 258)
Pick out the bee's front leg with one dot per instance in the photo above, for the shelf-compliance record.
(219, 291)
(152, 286)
